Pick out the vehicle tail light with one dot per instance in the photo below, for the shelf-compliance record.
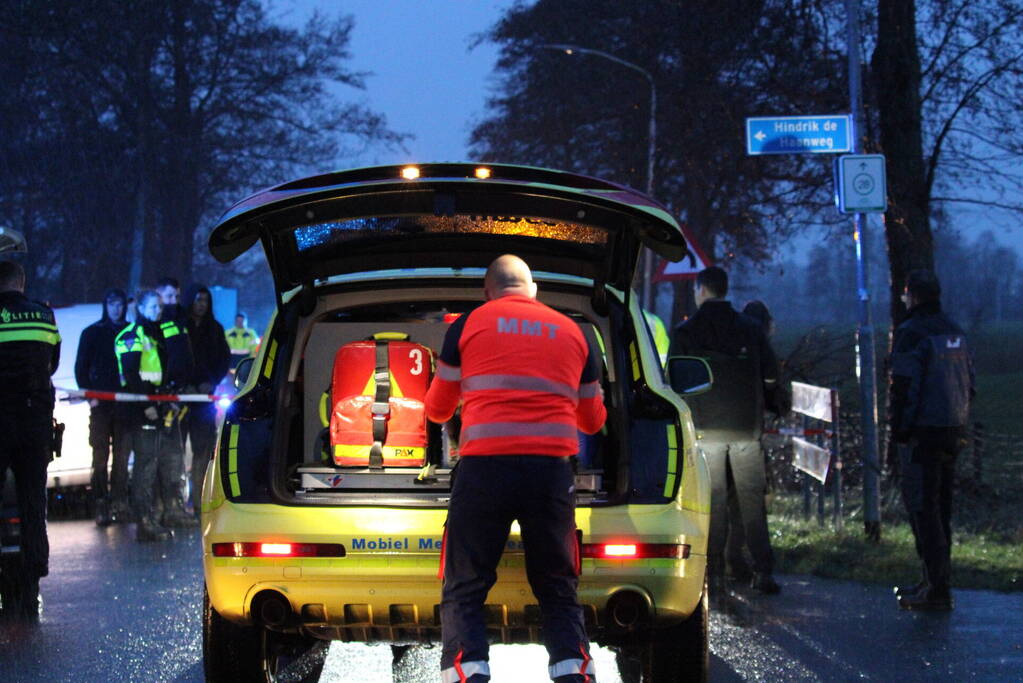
(635, 551)
(482, 172)
(278, 550)
(410, 172)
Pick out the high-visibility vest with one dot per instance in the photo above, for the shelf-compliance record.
(241, 340)
(661, 339)
(133, 339)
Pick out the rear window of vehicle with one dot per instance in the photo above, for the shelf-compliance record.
(326, 235)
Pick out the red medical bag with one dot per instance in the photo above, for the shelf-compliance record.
(377, 418)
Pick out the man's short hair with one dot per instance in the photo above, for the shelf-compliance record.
(923, 286)
(165, 282)
(12, 276)
(145, 295)
(715, 280)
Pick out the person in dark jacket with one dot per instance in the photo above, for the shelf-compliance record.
(29, 354)
(212, 358)
(730, 416)
(96, 368)
(932, 386)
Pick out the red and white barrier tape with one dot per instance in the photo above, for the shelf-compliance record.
(790, 431)
(86, 394)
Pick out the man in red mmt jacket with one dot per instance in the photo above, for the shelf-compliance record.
(528, 383)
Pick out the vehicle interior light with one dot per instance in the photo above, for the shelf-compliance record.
(483, 172)
(410, 172)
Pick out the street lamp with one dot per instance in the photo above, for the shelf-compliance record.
(648, 262)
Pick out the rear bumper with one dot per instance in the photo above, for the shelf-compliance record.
(387, 588)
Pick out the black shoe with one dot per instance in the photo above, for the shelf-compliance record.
(29, 604)
(179, 519)
(120, 512)
(905, 591)
(927, 601)
(765, 584)
(103, 516)
(148, 531)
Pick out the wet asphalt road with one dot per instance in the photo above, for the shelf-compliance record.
(115, 610)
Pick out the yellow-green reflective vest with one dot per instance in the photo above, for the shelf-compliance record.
(661, 339)
(133, 339)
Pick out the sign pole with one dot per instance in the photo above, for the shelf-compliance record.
(865, 333)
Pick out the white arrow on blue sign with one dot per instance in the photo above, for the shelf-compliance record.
(798, 135)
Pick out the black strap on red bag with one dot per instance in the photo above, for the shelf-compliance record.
(381, 408)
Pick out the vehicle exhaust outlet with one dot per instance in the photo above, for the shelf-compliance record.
(270, 608)
(628, 610)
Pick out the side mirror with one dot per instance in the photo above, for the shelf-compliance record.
(689, 375)
(241, 372)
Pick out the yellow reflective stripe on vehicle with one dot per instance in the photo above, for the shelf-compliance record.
(669, 482)
(635, 360)
(232, 461)
(397, 452)
(271, 355)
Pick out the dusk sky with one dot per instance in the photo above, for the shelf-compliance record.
(427, 82)
(424, 77)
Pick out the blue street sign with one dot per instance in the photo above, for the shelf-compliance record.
(798, 135)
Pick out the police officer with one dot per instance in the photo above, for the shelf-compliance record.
(730, 416)
(931, 389)
(241, 339)
(29, 354)
(96, 368)
(155, 437)
(528, 381)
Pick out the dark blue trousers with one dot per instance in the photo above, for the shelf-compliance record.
(489, 493)
(26, 439)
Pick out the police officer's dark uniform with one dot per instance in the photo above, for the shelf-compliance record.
(730, 417)
(932, 386)
(155, 435)
(528, 382)
(29, 354)
(96, 368)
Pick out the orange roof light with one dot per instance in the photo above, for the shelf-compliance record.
(482, 172)
(410, 172)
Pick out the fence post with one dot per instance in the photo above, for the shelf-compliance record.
(806, 482)
(821, 485)
(978, 450)
(836, 444)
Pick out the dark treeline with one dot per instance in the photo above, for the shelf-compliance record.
(982, 282)
(129, 125)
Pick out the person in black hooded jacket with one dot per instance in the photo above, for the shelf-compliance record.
(212, 357)
(96, 368)
(730, 416)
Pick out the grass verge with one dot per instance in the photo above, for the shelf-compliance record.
(979, 559)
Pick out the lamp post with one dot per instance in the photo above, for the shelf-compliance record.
(648, 261)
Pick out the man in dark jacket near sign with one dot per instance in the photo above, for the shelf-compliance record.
(96, 368)
(730, 417)
(212, 357)
(932, 386)
(29, 354)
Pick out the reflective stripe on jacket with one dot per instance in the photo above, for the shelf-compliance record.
(527, 379)
(29, 344)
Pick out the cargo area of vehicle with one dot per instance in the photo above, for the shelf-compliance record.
(313, 476)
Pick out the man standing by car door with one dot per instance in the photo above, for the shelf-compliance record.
(730, 417)
(29, 354)
(96, 369)
(528, 381)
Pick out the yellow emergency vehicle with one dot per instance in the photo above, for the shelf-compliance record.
(299, 551)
